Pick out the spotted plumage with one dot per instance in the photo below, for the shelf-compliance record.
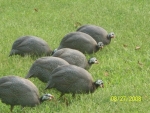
(72, 79)
(97, 33)
(30, 45)
(80, 41)
(42, 67)
(15, 90)
(75, 57)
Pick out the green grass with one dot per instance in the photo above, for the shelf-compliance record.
(124, 70)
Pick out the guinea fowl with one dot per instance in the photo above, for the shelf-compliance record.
(80, 41)
(72, 79)
(43, 67)
(97, 33)
(30, 45)
(15, 90)
(75, 57)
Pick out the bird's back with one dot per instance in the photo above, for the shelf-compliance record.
(43, 67)
(15, 90)
(70, 79)
(72, 56)
(97, 33)
(79, 41)
(30, 45)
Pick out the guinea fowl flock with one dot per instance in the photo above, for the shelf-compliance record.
(64, 69)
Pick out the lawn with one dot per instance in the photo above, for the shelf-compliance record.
(124, 65)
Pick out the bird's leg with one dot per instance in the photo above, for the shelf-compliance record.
(22, 108)
(11, 108)
(61, 95)
(73, 95)
(66, 101)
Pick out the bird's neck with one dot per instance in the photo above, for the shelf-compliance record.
(94, 87)
(109, 37)
(97, 48)
(89, 63)
(41, 100)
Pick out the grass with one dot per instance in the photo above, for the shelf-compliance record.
(123, 68)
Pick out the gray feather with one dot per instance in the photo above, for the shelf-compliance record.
(99, 34)
(43, 67)
(71, 79)
(73, 57)
(30, 45)
(79, 41)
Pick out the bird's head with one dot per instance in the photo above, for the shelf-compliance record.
(111, 35)
(99, 83)
(93, 60)
(46, 97)
(100, 45)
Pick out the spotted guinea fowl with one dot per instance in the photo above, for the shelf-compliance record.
(98, 33)
(15, 90)
(75, 57)
(30, 45)
(80, 41)
(43, 67)
(72, 79)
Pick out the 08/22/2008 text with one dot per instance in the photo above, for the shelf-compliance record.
(126, 98)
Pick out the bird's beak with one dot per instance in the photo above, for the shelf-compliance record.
(102, 85)
(102, 47)
(113, 36)
(51, 97)
(96, 62)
